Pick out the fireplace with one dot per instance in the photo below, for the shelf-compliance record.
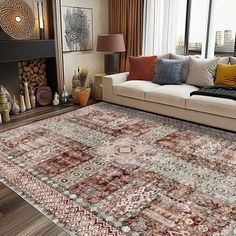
(30, 60)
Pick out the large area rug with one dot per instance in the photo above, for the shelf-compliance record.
(110, 170)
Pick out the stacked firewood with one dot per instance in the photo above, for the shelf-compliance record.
(33, 72)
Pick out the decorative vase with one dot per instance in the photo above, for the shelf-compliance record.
(5, 106)
(75, 81)
(65, 95)
(27, 97)
(83, 96)
(5, 116)
(32, 98)
(22, 104)
(56, 101)
(15, 108)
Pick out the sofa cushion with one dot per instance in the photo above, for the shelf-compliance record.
(212, 105)
(202, 71)
(226, 75)
(232, 60)
(169, 72)
(173, 95)
(223, 60)
(186, 65)
(134, 88)
(142, 68)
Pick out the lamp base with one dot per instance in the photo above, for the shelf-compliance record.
(112, 63)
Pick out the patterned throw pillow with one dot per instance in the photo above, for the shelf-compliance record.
(226, 75)
(169, 72)
(186, 65)
(202, 71)
(142, 68)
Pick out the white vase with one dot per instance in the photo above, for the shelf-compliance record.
(22, 104)
(56, 101)
(27, 97)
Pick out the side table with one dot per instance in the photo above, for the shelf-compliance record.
(97, 87)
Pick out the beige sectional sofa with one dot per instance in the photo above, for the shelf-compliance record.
(170, 100)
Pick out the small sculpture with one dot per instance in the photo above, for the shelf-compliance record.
(56, 101)
(5, 106)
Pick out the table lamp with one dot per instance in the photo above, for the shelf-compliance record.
(113, 43)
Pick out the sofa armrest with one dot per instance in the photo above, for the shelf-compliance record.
(109, 81)
(116, 78)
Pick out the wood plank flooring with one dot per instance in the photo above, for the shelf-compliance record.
(18, 218)
(36, 115)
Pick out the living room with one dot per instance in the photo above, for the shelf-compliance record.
(117, 117)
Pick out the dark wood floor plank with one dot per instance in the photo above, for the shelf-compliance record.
(17, 217)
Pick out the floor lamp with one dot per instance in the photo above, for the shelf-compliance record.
(114, 44)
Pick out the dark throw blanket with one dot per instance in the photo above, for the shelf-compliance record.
(217, 91)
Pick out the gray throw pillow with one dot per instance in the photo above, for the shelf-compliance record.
(169, 72)
(232, 60)
(202, 71)
(186, 65)
(164, 56)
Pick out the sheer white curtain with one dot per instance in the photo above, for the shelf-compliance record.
(160, 26)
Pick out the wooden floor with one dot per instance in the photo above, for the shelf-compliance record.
(17, 217)
(36, 115)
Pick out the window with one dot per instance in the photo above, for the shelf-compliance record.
(210, 28)
(202, 27)
(223, 26)
(182, 6)
(198, 27)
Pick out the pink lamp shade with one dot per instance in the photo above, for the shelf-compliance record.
(111, 43)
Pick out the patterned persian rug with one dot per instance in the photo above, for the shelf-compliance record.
(110, 170)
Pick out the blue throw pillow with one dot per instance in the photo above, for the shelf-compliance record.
(169, 72)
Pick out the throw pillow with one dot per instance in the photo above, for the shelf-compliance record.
(142, 68)
(169, 72)
(226, 75)
(232, 60)
(223, 60)
(201, 71)
(164, 56)
(186, 65)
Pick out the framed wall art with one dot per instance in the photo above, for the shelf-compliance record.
(77, 28)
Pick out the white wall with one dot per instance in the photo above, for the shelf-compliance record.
(93, 60)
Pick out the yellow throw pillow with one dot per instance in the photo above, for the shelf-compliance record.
(226, 75)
